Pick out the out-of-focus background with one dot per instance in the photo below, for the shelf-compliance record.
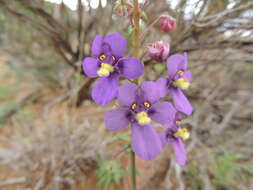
(52, 135)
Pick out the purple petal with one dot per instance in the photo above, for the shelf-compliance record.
(188, 75)
(180, 101)
(117, 119)
(146, 142)
(117, 44)
(127, 94)
(162, 112)
(131, 67)
(96, 48)
(175, 63)
(163, 139)
(90, 66)
(162, 86)
(150, 92)
(105, 89)
(179, 150)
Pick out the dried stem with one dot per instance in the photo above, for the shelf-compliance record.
(148, 28)
(136, 37)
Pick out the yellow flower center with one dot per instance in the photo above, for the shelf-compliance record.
(133, 106)
(142, 118)
(102, 57)
(146, 104)
(105, 70)
(178, 122)
(182, 83)
(181, 73)
(183, 133)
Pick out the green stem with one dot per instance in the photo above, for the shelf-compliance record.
(133, 171)
(136, 50)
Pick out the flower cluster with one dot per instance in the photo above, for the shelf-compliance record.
(141, 106)
(108, 64)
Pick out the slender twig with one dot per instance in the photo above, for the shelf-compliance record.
(148, 28)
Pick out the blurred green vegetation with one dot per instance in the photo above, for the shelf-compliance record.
(36, 54)
(25, 114)
(6, 94)
(225, 169)
(109, 173)
(9, 83)
(250, 68)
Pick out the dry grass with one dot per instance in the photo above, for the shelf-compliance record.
(58, 147)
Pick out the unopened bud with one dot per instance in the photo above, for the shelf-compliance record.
(167, 23)
(159, 51)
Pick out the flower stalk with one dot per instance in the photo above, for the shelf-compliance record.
(136, 37)
(139, 103)
(133, 171)
(136, 47)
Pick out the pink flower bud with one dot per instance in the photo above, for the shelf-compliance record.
(167, 23)
(159, 51)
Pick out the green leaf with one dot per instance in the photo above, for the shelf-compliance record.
(109, 173)
(123, 137)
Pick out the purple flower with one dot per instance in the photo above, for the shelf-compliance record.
(159, 51)
(179, 79)
(139, 106)
(108, 64)
(175, 135)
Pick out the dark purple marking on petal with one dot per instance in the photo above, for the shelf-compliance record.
(146, 142)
